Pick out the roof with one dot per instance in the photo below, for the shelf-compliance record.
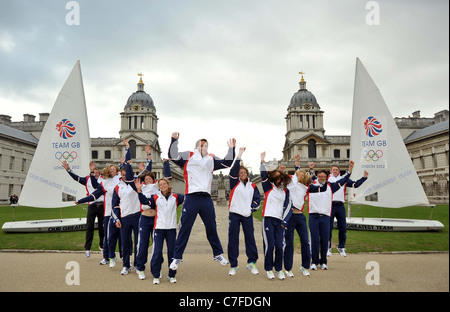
(17, 134)
(431, 130)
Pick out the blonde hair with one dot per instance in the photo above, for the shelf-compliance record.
(168, 183)
(106, 173)
(307, 178)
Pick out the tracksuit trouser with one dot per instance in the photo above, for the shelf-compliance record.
(319, 227)
(114, 236)
(105, 237)
(146, 225)
(95, 210)
(130, 226)
(338, 211)
(194, 204)
(273, 236)
(159, 236)
(235, 221)
(297, 222)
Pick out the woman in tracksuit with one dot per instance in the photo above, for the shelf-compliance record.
(244, 200)
(297, 222)
(126, 213)
(165, 204)
(149, 187)
(320, 197)
(198, 167)
(107, 182)
(276, 213)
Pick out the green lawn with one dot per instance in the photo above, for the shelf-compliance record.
(357, 241)
(367, 241)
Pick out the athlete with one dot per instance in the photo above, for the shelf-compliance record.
(338, 209)
(95, 209)
(244, 200)
(276, 213)
(165, 204)
(198, 167)
(320, 196)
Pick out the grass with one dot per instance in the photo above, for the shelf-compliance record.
(357, 241)
(367, 241)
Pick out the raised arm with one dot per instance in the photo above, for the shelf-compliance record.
(234, 171)
(229, 157)
(267, 186)
(178, 158)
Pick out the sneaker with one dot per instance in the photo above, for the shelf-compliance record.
(141, 274)
(252, 267)
(280, 275)
(323, 266)
(233, 271)
(156, 281)
(342, 252)
(112, 262)
(125, 271)
(175, 263)
(289, 274)
(221, 260)
(305, 272)
(314, 267)
(270, 275)
(104, 261)
(87, 253)
(172, 280)
(329, 252)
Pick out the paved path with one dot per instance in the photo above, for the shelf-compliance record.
(39, 271)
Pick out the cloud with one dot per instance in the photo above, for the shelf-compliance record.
(216, 61)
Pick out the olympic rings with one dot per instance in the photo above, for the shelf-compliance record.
(69, 157)
(369, 155)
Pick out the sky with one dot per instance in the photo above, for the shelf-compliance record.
(223, 69)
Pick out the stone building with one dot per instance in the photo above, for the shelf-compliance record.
(16, 152)
(428, 149)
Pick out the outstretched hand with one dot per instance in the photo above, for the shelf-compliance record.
(231, 142)
(175, 135)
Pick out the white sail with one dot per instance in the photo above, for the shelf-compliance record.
(377, 146)
(64, 137)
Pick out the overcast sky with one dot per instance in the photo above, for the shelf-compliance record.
(221, 69)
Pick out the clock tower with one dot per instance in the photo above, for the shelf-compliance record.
(139, 123)
(304, 124)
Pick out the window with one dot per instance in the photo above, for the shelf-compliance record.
(94, 154)
(107, 154)
(135, 122)
(11, 163)
(142, 123)
(301, 121)
(312, 148)
(24, 164)
(129, 123)
(132, 148)
(348, 153)
(337, 153)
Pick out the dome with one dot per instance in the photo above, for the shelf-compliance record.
(303, 96)
(141, 98)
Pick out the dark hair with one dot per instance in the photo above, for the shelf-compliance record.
(198, 142)
(242, 167)
(324, 171)
(282, 178)
(147, 173)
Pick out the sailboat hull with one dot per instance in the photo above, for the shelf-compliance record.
(392, 225)
(46, 226)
